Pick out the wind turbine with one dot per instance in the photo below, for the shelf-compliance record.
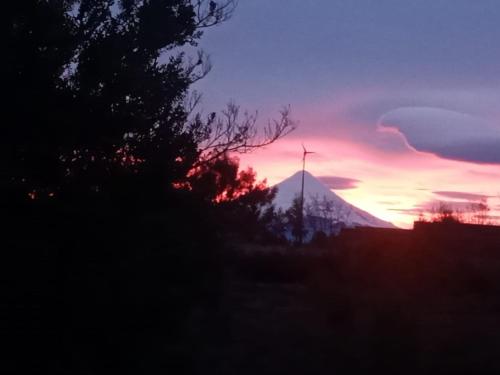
(301, 218)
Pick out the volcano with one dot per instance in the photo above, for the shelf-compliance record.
(317, 195)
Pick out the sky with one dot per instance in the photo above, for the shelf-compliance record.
(399, 99)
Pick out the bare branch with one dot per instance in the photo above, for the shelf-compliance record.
(197, 69)
(232, 132)
(210, 13)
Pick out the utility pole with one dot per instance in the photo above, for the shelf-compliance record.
(301, 213)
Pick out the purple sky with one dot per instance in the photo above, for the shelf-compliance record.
(371, 83)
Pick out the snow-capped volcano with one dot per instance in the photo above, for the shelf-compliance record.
(317, 196)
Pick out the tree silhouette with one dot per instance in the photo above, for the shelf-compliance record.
(326, 215)
(105, 173)
(444, 213)
(239, 202)
(98, 92)
(295, 219)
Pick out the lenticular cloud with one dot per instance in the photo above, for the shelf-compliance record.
(449, 134)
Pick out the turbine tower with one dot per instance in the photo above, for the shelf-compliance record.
(301, 212)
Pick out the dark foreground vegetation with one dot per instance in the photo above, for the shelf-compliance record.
(421, 301)
(382, 301)
(116, 193)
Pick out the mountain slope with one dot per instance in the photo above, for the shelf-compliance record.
(316, 190)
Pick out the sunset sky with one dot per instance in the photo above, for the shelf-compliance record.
(399, 99)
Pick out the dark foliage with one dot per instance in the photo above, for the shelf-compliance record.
(90, 99)
(241, 204)
(106, 255)
(377, 300)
